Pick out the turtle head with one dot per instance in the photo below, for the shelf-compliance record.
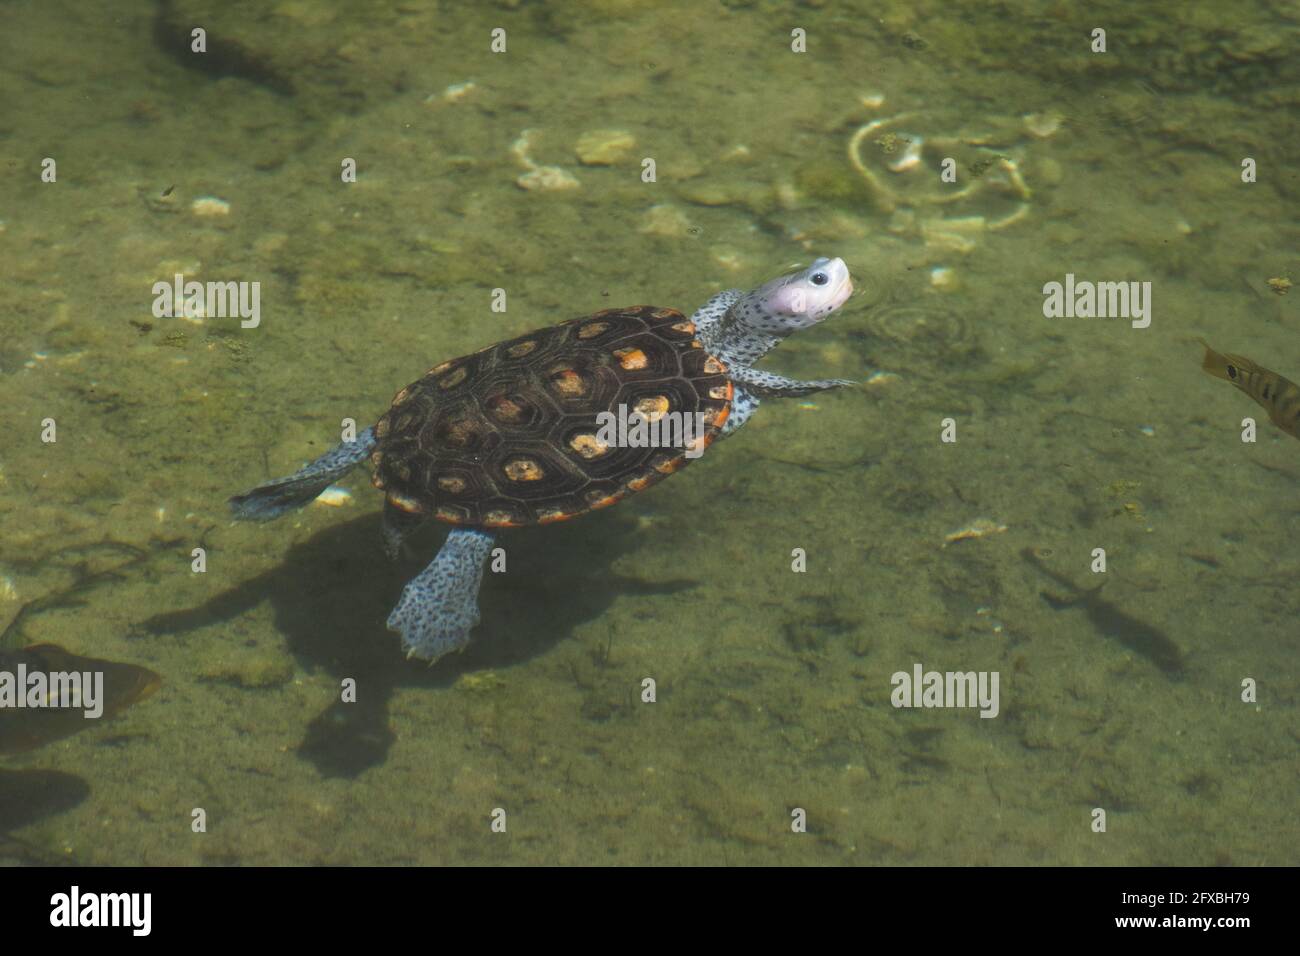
(796, 301)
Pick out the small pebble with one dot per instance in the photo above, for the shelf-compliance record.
(728, 259)
(708, 194)
(604, 147)
(1042, 125)
(943, 278)
(547, 179)
(210, 206)
(538, 178)
(666, 220)
(334, 496)
(910, 158)
(953, 235)
(457, 92)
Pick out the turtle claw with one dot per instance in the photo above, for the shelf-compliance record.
(825, 384)
(429, 633)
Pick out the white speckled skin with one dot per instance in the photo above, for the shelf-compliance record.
(439, 606)
(740, 328)
(283, 495)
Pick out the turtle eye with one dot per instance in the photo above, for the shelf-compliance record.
(820, 278)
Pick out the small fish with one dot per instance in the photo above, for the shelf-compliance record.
(1279, 396)
(26, 728)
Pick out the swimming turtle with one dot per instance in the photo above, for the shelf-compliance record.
(512, 434)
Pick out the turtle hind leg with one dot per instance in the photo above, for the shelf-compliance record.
(439, 606)
(283, 495)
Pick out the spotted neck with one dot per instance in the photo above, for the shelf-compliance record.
(735, 340)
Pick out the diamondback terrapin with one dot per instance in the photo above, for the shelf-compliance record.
(520, 433)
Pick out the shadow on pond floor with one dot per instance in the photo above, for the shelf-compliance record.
(332, 594)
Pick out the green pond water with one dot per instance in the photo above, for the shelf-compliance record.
(1169, 699)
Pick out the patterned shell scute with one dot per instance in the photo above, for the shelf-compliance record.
(508, 436)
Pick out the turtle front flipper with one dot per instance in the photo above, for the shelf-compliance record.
(771, 385)
(283, 495)
(439, 606)
(749, 385)
(743, 404)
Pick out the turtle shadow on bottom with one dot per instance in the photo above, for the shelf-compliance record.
(332, 593)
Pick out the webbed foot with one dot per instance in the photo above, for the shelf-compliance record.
(439, 606)
(771, 385)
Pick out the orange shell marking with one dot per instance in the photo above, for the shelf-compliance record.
(631, 359)
(523, 469)
(568, 383)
